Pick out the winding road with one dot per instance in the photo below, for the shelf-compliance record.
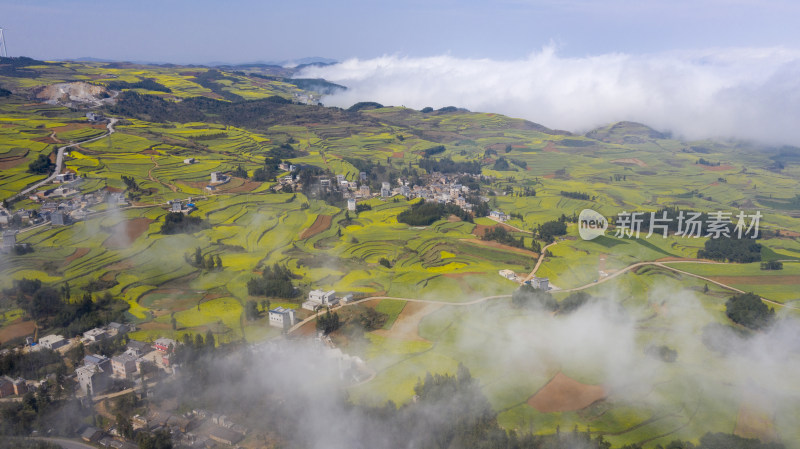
(60, 160)
(583, 287)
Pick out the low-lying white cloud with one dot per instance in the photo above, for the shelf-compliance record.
(747, 93)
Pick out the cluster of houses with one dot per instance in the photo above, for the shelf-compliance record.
(98, 372)
(438, 187)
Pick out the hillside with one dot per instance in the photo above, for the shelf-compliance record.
(221, 193)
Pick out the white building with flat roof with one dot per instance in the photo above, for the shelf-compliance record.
(320, 298)
(52, 341)
(281, 317)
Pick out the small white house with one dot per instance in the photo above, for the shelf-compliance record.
(508, 274)
(319, 298)
(189, 161)
(351, 204)
(540, 283)
(95, 334)
(497, 215)
(218, 177)
(281, 317)
(52, 341)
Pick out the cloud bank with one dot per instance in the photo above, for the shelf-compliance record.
(746, 93)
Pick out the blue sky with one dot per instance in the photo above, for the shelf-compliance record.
(200, 31)
(698, 68)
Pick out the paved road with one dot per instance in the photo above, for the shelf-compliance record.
(60, 160)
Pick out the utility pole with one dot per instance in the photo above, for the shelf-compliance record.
(3, 52)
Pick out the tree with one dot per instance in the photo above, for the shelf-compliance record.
(251, 310)
(329, 322)
(748, 310)
(219, 262)
(124, 425)
(198, 257)
(240, 172)
(527, 296)
(42, 165)
(210, 341)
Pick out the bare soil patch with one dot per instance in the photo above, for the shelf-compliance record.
(322, 223)
(406, 327)
(246, 186)
(563, 394)
(398, 154)
(629, 161)
(479, 229)
(74, 126)
(756, 418)
(719, 167)
(492, 244)
(80, 252)
(119, 266)
(551, 148)
(758, 280)
(126, 232)
(16, 329)
(11, 162)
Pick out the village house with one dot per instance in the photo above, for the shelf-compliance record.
(91, 434)
(52, 341)
(123, 365)
(9, 386)
(164, 344)
(94, 335)
(9, 240)
(351, 204)
(497, 215)
(189, 161)
(6, 387)
(281, 317)
(119, 328)
(508, 274)
(225, 436)
(175, 206)
(65, 177)
(94, 376)
(540, 283)
(57, 218)
(219, 178)
(319, 298)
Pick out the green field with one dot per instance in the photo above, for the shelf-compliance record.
(513, 353)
